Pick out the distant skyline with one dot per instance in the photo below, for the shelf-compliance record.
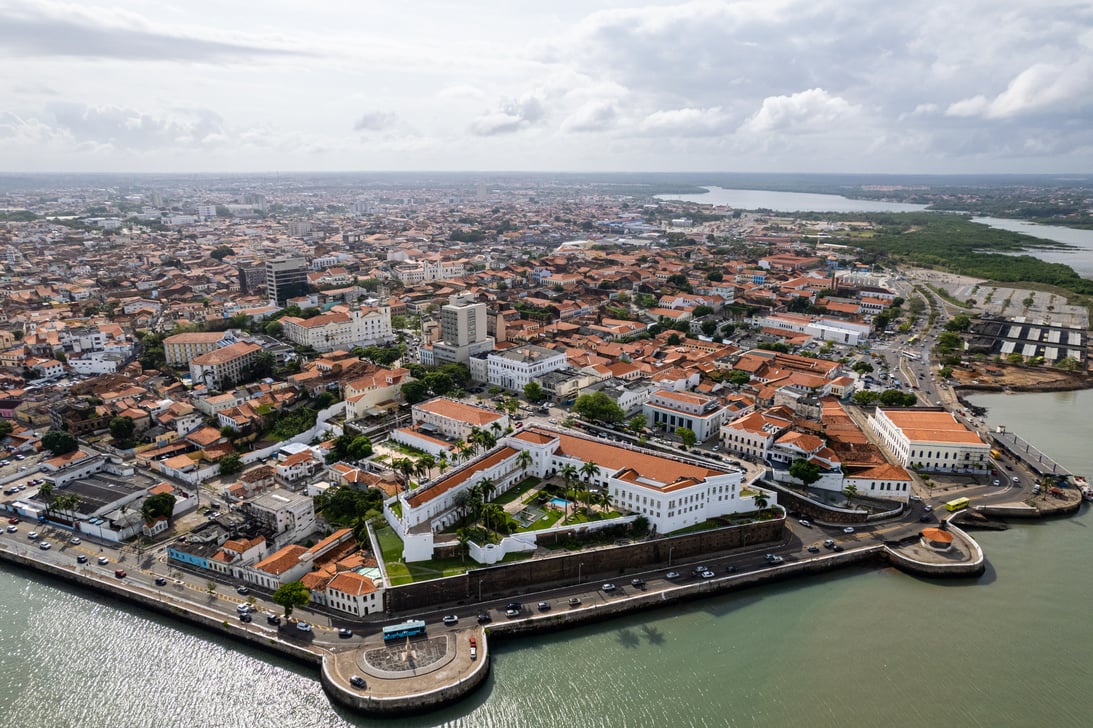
(842, 86)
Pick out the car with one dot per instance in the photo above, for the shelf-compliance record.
(484, 618)
(837, 547)
(552, 421)
(75, 540)
(246, 618)
(103, 561)
(774, 558)
(345, 633)
(996, 482)
(303, 626)
(119, 573)
(160, 581)
(814, 549)
(848, 529)
(510, 613)
(474, 652)
(13, 529)
(925, 519)
(45, 545)
(1016, 479)
(242, 590)
(927, 508)
(916, 498)
(543, 606)
(829, 543)
(672, 575)
(243, 608)
(358, 682)
(707, 574)
(574, 601)
(514, 605)
(272, 619)
(805, 522)
(637, 583)
(13, 521)
(730, 569)
(32, 535)
(608, 587)
(699, 569)
(450, 619)
(81, 559)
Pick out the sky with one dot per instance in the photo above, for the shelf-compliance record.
(869, 86)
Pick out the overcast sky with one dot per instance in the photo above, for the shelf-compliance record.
(941, 86)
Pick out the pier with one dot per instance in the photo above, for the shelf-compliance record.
(1023, 451)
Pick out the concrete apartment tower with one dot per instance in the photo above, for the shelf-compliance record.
(285, 278)
(462, 330)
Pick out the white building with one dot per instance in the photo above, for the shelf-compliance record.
(668, 409)
(930, 439)
(753, 434)
(289, 516)
(342, 328)
(223, 367)
(514, 368)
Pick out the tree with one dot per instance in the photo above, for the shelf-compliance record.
(230, 464)
(850, 490)
(533, 391)
(739, 377)
(687, 435)
(155, 506)
(598, 407)
(59, 442)
(865, 398)
(708, 327)
(524, 460)
(673, 339)
(805, 471)
(761, 501)
(360, 448)
(589, 471)
(291, 595)
(121, 428)
(221, 252)
(415, 391)
(896, 398)
(636, 423)
(6, 428)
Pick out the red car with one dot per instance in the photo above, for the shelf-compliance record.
(13, 521)
(119, 573)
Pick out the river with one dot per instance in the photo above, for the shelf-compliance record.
(1079, 257)
(861, 647)
(790, 201)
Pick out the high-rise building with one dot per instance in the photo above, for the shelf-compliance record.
(462, 330)
(285, 278)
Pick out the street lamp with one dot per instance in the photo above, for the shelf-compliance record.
(670, 550)
(579, 567)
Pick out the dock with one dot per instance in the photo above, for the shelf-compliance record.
(1025, 452)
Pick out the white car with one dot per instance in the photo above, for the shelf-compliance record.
(303, 626)
(848, 529)
(915, 498)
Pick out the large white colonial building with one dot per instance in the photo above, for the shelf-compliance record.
(342, 328)
(672, 493)
(931, 439)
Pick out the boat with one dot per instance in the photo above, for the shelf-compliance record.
(1083, 485)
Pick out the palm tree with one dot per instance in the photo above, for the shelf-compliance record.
(406, 467)
(426, 463)
(761, 501)
(523, 461)
(474, 502)
(606, 500)
(850, 490)
(589, 471)
(442, 462)
(570, 475)
(494, 516)
(458, 448)
(488, 487)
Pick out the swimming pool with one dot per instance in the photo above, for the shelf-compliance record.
(560, 502)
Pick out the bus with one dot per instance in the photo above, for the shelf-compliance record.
(957, 505)
(911, 355)
(409, 628)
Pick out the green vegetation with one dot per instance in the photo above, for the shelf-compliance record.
(59, 442)
(230, 464)
(291, 595)
(288, 424)
(803, 470)
(155, 506)
(598, 407)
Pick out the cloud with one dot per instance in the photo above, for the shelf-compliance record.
(811, 110)
(685, 122)
(51, 29)
(513, 116)
(1043, 87)
(593, 116)
(123, 128)
(376, 121)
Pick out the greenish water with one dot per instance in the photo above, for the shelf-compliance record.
(862, 647)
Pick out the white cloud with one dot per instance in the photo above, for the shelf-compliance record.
(514, 115)
(811, 110)
(1043, 87)
(685, 122)
(376, 121)
(593, 116)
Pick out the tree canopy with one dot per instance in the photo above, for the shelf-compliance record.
(121, 428)
(291, 595)
(59, 442)
(805, 471)
(230, 464)
(155, 506)
(598, 407)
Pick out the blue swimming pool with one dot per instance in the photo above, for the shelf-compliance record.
(560, 502)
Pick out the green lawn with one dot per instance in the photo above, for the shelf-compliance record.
(402, 573)
(517, 491)
(581, 517)
(391, 547)
(551, 517)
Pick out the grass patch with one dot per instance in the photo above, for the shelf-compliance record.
(582, 517)
(391, 548)
(396, 508)
(517, 490)
(551, 517)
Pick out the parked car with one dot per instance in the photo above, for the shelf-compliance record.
(672, 575)
(608, 587)
(805, 522)
(13, 529)
(81, 559)
(484, 618)
(33, 535)
(345, 633)
(637, 583)
(358, 682)
(510, 613)
(574, 601)
(119, 573)
(242, 590)
(544, 606)
(707, 574)
(450, 619)
(103, 561)
(837, 547)
(814, 549)
(13, 520)
(303, 626)
(45, 545)
(74, 540)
